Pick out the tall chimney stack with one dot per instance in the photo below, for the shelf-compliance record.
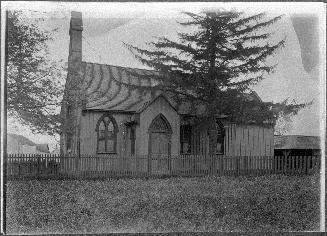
(73, 96)
(75, 49)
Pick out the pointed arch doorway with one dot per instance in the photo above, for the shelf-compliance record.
(159, 145)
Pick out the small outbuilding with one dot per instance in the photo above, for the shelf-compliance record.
(297, 145)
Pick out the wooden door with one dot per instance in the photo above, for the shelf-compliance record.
(159, 153)
(159, 145)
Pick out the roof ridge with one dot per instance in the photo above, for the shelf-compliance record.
(118, 66)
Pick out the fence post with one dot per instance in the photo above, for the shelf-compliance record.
(284, 164)
(76, 165)
(237, 167)
(305, 165)
(149, 164)
(221, 164)
(169, 163)
(38, 165)
(317, 164)
(137, 164)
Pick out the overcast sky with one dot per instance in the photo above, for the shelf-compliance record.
(106, 25)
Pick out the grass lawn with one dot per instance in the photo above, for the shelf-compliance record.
(267, 203)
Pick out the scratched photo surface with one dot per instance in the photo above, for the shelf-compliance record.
(164, 117)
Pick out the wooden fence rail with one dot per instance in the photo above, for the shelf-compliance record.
(106, 166)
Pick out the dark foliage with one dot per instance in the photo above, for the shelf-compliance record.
(218, 63)
(33, 78)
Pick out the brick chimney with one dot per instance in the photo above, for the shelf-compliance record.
(73, 96)
(75, 50)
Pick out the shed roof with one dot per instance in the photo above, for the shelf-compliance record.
(109, 87)
(296, 142)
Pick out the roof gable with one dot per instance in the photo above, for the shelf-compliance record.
(146, 105)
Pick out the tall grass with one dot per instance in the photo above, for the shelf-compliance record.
(267, 203)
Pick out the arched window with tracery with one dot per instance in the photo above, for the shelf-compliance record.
(107, 130)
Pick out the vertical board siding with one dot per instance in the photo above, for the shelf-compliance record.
(255, 141)
(227, 140)
(268, 141)
(248, 140)
(239, 140)
(261, 142)
(271, 153)
(234, 153)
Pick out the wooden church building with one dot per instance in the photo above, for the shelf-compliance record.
(106, 112)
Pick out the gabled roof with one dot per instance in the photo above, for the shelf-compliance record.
(146, 105)
(296, 142)
(109, 87)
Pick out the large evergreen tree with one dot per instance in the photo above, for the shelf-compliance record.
(218, 63)
(33, 78)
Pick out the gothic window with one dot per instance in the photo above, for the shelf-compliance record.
(132, 137)
(107, 134)
(220, 138)
(69, 141)
(160, 125)
(185, 138)
(69, 110)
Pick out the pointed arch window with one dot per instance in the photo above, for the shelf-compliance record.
(132, 137)
(185, 139)
(220, 138)
(106, 134)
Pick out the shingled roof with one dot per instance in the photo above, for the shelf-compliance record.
(109, 87)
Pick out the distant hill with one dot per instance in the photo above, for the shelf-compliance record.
(20, 139)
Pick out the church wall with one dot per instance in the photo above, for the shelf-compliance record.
(248, 141)
(239, 140)
(160, 105)
(89, 135)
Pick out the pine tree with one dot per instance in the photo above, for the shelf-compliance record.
(218, 63)
(32, 79)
